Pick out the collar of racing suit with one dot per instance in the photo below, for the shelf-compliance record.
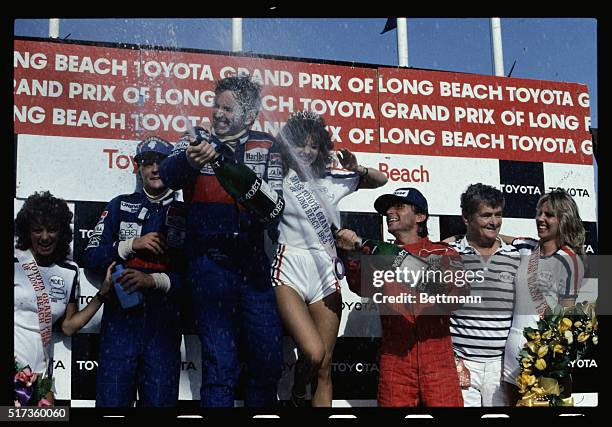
(233, 140)
(164, 198)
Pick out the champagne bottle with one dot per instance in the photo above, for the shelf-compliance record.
(377, 247)
(390, 256)
(240, 181)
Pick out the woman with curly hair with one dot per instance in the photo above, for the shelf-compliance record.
(46, 294)
(306, 271)
(554, 271)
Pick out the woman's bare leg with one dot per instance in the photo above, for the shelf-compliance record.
(299, 323)
(326, 314)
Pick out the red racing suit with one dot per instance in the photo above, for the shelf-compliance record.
(417, 365)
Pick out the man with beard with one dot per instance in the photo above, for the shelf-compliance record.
(228, 270)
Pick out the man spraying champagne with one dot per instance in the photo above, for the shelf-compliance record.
(238, 179)
(227, 267)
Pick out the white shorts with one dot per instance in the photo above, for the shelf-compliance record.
(309, 272)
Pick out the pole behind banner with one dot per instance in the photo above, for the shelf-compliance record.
(496, 46)
(236, 34)
(402, 42)
(54, 28)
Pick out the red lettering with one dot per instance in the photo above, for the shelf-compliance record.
(110, 152)
(404, 174)
(383, 168)
(395, 174)
(424, 175)
(122, 161)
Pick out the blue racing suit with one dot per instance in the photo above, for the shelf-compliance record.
(228, 272)
(140, 346)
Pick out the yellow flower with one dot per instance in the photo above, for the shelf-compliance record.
(542, 351)
(569, 337)
(531, 346)
(547, 335)
(589, 326)
(558, 348)
(535, 335)
(583, 337)
(577, 324)
(527, 379)
(526, 362)
(595, 340)
(540, 364)
(564, 325)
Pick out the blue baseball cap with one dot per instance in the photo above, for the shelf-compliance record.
(407, 195)
(153, 144)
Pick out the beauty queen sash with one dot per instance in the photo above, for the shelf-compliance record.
(532, 281)
(316, 213)
(30, 269)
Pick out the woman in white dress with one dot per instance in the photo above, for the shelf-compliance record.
(551, 274)
(46, 292)
(306, 271)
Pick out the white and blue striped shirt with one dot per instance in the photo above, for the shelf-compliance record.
(479, 330)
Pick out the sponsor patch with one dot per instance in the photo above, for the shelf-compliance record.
(130, 207)
(258, 169)
(207, 170)
(129, 230)
(94, 242)
(58, 288)
(546, 276)
(256, 156)
(504, 276)
(260, 144)
(275, 172)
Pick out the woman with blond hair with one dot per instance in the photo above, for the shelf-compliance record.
(553, 271)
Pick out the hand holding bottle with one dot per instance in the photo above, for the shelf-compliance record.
(132, 280)
(126, 299)
(200, 151)
(347, 239)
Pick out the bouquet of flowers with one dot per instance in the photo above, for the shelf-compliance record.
(30, 387)
(564, 335)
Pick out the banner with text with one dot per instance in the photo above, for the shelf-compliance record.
(94, 91)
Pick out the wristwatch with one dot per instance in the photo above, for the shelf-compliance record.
(364, 171)
(103, 298)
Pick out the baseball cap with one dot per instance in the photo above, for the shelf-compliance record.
(153, 144)
(408, 195)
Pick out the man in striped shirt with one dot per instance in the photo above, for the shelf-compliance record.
(479, 331)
